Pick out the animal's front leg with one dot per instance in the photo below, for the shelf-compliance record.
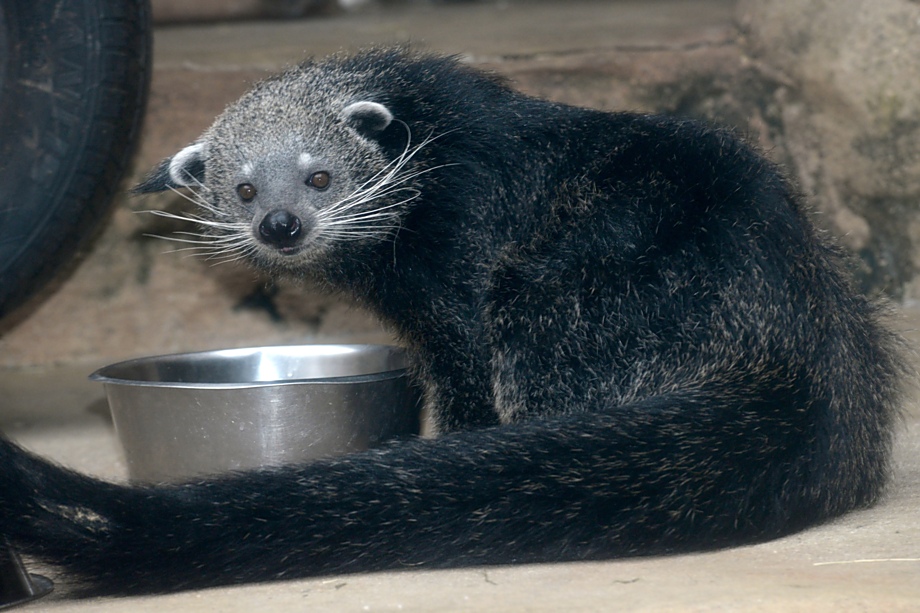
(456, 384)
(555, 334)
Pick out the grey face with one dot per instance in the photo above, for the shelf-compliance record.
(286, 192)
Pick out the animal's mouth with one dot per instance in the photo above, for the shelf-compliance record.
(293, 250)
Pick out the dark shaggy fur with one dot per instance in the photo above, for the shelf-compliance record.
(631, 337)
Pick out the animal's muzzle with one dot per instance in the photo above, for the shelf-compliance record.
(281, 229)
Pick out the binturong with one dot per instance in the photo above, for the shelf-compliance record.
(631, 339)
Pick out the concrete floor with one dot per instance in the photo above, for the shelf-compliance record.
(867, 561)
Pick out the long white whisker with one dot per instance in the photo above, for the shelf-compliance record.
(206, 251)
(239, 254)
(212, 238)
(228, 240)
(236, 241)
(361, 197)
(371, 188)
(191, 217)
(192, 195)
(383, 212)
(399, 161)
(173, 239)
(198, 184)
(346, 219)
(323, 215)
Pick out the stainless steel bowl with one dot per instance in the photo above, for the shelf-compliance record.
(185, 415)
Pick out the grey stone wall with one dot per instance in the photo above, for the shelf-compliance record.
(850, 120)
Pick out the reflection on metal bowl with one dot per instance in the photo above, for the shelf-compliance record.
(185, 415)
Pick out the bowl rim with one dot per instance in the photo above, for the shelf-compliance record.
(104, 374)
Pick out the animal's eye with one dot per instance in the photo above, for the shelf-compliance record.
(247, 191)
(319, 180)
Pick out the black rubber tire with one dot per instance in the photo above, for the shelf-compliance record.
(74, 76)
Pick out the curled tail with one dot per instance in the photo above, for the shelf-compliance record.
(671, 473)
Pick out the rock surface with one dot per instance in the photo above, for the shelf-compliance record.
(851, 120)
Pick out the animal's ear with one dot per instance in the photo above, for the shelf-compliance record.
(367, 118)
(185, 169)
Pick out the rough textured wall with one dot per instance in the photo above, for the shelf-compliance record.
(828, 89)
(852, 121)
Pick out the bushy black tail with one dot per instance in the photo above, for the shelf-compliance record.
(666, 474)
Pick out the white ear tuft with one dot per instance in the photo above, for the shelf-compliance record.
(185, 167)
(367, 117)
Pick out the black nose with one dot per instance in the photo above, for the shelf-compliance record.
(280, 229)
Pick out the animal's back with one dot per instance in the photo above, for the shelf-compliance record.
(683, 274)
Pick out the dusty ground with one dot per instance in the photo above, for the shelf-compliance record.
(867, 561)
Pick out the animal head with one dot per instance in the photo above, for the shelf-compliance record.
(297, 169)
